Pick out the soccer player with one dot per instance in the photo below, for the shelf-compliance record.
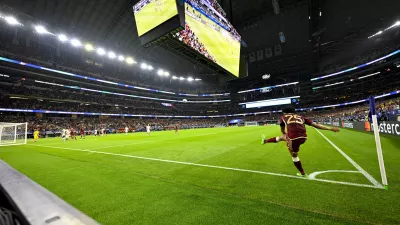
(35, 135)
(95, 132)
(126, 130)
(73, 133)
(176, 129)
(63, 133)
(148, 129)
(67, 134)
(294, 133)
(82, 131)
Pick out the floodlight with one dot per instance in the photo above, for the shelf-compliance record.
(111, 55)
(166, 74)
(89, 47)
(129, 60)
(75, 42)
(150, 68)
(190, 79)
(62, 37)
(160, 72)
(175, 77)
(101, 51)
(143, 66)
(181, 78)
(380, 32)
(397, 23)
(11, 20)
(197, 79)
(121, 58)
(41, 29)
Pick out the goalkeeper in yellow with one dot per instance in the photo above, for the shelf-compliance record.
(35, 135)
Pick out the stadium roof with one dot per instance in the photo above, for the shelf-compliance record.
(111, 23)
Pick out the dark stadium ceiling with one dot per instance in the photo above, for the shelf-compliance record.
(111, 23)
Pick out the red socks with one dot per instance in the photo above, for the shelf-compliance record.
(299, 167)
(271, 140)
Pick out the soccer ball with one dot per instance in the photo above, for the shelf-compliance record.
(184, 100)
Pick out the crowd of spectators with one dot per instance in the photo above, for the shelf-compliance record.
(52, 124)
(49, 123)
(386, 110)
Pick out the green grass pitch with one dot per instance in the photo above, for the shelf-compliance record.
(215, 176)
(152, 15)
(227, 54)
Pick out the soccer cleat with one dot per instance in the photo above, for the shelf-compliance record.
(262, 139)
(301, 175)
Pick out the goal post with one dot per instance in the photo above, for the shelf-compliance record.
(251, 123)
(13, 133)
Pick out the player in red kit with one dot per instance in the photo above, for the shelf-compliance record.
(176, 129)
(82, 131)
(73, 133)
(294, 133)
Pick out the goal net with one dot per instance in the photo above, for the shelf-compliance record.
(251, 123)
(13, 133)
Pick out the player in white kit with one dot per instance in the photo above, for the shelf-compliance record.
(95, 132)
(67, 134)
(148, 129)
(126, 130)
(63, 133)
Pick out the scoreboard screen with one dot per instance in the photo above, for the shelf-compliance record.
(152, 13)
(211, 35)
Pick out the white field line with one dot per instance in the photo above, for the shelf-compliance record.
(210, 166)
(314, 174)
(358, 167)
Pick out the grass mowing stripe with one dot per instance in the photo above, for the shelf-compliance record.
(358, 167)
(213, 166)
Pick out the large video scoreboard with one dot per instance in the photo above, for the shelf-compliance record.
(152, 13)
(197, 24)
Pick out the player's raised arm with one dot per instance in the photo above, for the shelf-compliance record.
(322, 127)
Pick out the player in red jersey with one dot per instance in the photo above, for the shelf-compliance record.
(73, 133)
(82, 131)
(176, 129)
(294, 133)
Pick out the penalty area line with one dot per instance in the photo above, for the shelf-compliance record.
(209, 166)
(358, 167)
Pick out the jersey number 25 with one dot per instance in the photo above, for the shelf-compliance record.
(294, 119)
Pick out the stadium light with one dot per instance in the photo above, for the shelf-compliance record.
(181, 78)
(166, 74)
(160, 72)
(121, 58)
(12, 20)
(75, 42)
(89, 47)
(143, 66)
(175, 77)
(129, 60)
(197, 79)
(41, 29)
(62, 37)
(101, 51)
(190, 79)
(150, 68)
(111, 55)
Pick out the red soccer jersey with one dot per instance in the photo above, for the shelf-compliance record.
(295, 125)
(82, 131)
